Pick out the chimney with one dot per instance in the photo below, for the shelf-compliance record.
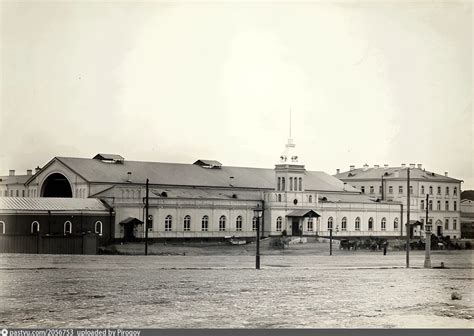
(338, 171)
(376, 166)
(29, 172)
(445, 173)
(129, 177)
(366, 166)
(11, 172)
(404, 165)
(385, 166)
(420, 166)
(37, 169)
(352, 167)
(412, 165)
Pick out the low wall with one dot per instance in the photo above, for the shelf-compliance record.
(38, 244)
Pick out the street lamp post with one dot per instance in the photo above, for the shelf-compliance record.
(427, 238)
(258, 211)
(408, 220)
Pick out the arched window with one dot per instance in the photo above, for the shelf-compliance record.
(310, 224)
(187, 223)
(205, 223)
(296, 184)
(2, 227)
(279, 184)
(395, 223)
(446, 206)
(357, 223)
(291, 183)
(422, 190)
(300, 186)
(439, 190)
(430, 204)
(254, 223)
(431, 190)
(310, 198)
(168, 223)
(35, 227)
(67, 227)
(278, 224)
(371, 223)
(383, 224)
(330, 220)
(283, 186)
(98, 228)
(422, 205)
(438, 205)
(279, 197)
(238, 223)
(455, 192)
(222, 223)
(344, 224)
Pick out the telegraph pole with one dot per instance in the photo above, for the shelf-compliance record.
(146, 219)
(427, 238)
(408, 217)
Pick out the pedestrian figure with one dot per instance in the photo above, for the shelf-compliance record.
(385, 244)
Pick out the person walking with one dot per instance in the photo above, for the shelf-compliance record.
(385, 244)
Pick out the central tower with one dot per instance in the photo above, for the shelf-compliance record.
(289, 172)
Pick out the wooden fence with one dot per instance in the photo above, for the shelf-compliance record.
(38, 244)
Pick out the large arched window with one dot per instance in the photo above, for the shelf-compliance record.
(344, 224)
(35, 227)
(168, 223)
(254, 223)
(291, 183)
(357, 224)
(278, 223)
(279, 184)
(222, 223)
(2, 227)
(205, 223)
(371, 223)
(330, 220)
(383, 224)
(300, 181)
(283, 186)
(187, 223)
(395, 223)
(67, 227)
(98, 228)
(238, 223)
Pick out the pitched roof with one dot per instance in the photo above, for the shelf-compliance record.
(52, 204)
(303, 213)
(16, 179)
(392, 172)
(178, 174)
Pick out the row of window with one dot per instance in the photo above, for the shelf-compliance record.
(310, 198)
(35, 227)
(295, 184)
(439, 223)
(370, 224)
(205, 223)
(17, 193)
(400, 190)
(438, 205)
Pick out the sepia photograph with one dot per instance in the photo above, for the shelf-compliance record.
(249, 166)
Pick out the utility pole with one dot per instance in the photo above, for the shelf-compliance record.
(427, 238)
(146, 219)
(408, 217)
(330, 241)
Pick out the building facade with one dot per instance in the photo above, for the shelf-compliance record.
(439, 193)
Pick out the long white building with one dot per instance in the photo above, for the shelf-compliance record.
(208, 200)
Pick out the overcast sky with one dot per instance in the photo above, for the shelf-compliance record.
(372, 82)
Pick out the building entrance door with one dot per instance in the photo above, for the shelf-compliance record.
(129, 235)
(295, 226)
(438, 230)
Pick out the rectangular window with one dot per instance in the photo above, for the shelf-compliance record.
(411, 190)
(422, 205)
(447, 191)
(310, 224)
(446, 206)
(390, 190)
(438, 205)
(23, 193)
(455, 224)
(455, 206)
(380, 190)
(455, 192)
(400, 189)
(446, 224)
(371, 189)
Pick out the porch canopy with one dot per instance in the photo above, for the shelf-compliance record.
(131, 220)
(303, 213)
(415, 223)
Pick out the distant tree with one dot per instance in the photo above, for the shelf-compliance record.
(468, 194)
